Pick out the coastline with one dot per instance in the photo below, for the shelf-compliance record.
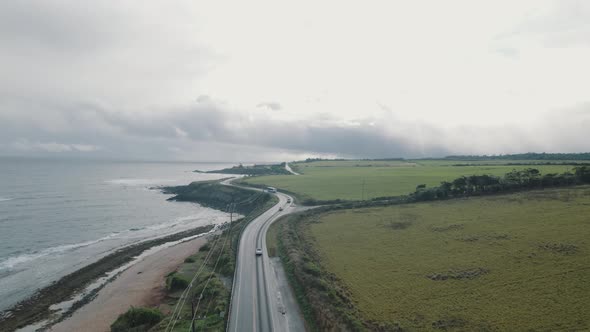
(38, 311)
(142, 284)
(93, 297)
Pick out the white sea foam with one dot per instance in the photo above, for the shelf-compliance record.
(12, 262)
(141, 233)
(5, 199)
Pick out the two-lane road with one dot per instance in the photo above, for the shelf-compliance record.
(257, 304)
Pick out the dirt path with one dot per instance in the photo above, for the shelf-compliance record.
(140, 285)
(289, 169)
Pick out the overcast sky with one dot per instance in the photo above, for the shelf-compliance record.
(271, 80)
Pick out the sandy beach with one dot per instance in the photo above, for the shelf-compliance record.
(140, 285)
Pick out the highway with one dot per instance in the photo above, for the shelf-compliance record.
(259, 302)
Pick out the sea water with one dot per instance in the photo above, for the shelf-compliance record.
(57, 216)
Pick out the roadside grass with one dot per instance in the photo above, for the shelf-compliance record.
(213, 306)
(362, 180)
(272, 239)
(517, 262)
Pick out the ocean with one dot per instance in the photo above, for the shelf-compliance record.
(57, 216)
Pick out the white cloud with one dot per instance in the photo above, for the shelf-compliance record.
(180, 133)
(85, 147)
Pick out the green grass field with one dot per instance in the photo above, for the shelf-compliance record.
(357, 180)
(516, 262)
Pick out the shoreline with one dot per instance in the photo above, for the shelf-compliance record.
(38, 311)
(142, 284)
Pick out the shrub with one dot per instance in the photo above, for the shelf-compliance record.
(189, 260)
(205, 247)
(176, 282)
(137, 320)
(312, 269)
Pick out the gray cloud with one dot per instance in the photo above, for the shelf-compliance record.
(206, 121)
(125, 54)
(212, 122)
(42, 25)
(211, 128)
(51, 147)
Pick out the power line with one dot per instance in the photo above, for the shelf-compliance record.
(176, 308)
(182, 300)
(207, 284)
(180, 304)
(210, 277)
(184, 296)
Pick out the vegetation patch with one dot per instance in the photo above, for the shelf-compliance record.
(177, 281)
(446, 228)
(137, 320)
(458, 274)
(483, 237)
(560, 248)
(205, 247)
(449, 324)
(189, 259)
(400, 224)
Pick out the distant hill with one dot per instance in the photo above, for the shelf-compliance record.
(277, 169)
(217, 196)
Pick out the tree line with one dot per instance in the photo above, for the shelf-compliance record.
(516, 180)
(526, 156)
